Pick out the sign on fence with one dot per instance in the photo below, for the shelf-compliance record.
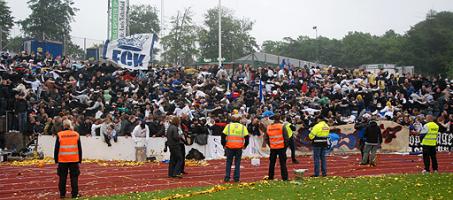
(394, 136)
(444, 142)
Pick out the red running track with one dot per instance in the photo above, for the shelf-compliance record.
(41, 182)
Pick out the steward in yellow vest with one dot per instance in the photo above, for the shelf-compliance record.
(428, 135)
(235, 137)
(319, 135)
(291, 142)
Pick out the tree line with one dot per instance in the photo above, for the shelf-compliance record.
(428, 45)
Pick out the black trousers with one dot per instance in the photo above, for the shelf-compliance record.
(292, 147)
(74, 172)
(281, 153)
(176, 158)
(429, 154)
(183, 152)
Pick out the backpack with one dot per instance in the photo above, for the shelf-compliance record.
(195, 155)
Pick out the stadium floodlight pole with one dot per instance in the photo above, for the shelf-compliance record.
(317, 50)
(220, 33)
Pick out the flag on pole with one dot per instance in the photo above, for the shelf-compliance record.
(261, 96)
(282, 64)
(132, 52)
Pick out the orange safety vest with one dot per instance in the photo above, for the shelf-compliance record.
(235, 141)
(275, 133)
(69, 149)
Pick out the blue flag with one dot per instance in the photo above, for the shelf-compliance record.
(261, 96)
(282, 65)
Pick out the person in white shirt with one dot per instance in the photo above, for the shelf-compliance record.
(96, 126)
(140, 134)
(148, 111)
(270, 73)
(281, 73)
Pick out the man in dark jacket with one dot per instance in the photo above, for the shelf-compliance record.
(68, 156)
(373, 138)
(174, 143)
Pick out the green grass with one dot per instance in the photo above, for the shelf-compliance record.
(434, 186)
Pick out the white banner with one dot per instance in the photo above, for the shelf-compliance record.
(118, 18)
(132, 52)
(122, 18)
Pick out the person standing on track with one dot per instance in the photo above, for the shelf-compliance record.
(373, 138)
(68, 155)
(235, 137)
(277, 138)
(291, 143)
(319, 135)
(173, 142)
(428, 135)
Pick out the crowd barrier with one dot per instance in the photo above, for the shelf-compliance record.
(396, 139)
(444, 142)
(124, 149)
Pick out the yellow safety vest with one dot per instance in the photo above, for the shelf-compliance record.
(320, 132)
(235, 133)
(431, 137)
(287, 125)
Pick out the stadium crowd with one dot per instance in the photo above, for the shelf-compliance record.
(38, 92)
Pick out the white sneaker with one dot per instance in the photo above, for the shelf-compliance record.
(435, 171)
(425, 172)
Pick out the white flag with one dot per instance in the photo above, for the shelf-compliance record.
(132, 52)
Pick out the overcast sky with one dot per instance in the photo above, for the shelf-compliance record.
(274, 19)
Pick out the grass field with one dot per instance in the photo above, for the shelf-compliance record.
(432, 186)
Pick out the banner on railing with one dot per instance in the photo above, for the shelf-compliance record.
(394, 136)
(444, 142)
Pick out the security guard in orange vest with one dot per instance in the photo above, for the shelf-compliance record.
(428, 135)
(235, 137)
(68, 155)
(277, 138)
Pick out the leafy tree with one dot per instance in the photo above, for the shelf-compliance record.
(75, 51)
(273, 47)
(49, 19)
(180, 44)
(429, 44)
(6, 21)
(358, 48)
(390, 47)
(143, 19)
(236, 38)
(15, 44)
